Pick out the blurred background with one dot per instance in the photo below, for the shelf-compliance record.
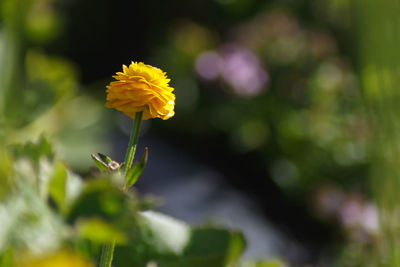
(286, 122)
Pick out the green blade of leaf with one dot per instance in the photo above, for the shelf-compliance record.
(104, 158)
(57, 185)
(99, 163)
(134, 173)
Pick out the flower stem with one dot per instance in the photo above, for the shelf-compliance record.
(107, 254)
(130, 153)
(108, 249)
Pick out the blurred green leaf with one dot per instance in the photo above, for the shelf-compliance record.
(98, 231)
(6, 171)
(213, 247)
(103, 200)
(169, 234)
(170, 242)
(134, 173)
(266, 263)
(49, 80)
(34, 151)
(57, 185)
(7, 257)
(42, 22)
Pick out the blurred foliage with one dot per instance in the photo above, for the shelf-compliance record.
(308, 91)
(49, 215)
(377, 27)
(52, 217)
(275, 87)
(282, 82)
(38, 91)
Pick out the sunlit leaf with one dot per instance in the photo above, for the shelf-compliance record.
(98, 231)
(266, 263)
(5, 173)
(136, 170)
(105, 163)
(57, 185)
(7, 257)
(104, 158)
(213, 247)
(99, 163)
(170, 242)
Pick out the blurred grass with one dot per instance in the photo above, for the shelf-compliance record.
(378, 28)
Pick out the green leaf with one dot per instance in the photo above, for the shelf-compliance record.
(170, 242)
(104, 158)
(7, 257)
(34, 151)
(237, 246)
(99, 231)
(105, 163)
(99, 163)
(170, 234)
(6, 168)
(57, 185)
(101, 199)
(136, 170)
(266, 263)
(213, 247)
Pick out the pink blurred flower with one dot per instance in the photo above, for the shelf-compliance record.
(208, 65)
(237, 66)
(242, 70)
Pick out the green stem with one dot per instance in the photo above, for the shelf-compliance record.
(130, 153)
(108, 249)
(107, 254)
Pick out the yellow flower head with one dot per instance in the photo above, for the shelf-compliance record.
(141, 87)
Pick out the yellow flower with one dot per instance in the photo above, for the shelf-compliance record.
(141, 87)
